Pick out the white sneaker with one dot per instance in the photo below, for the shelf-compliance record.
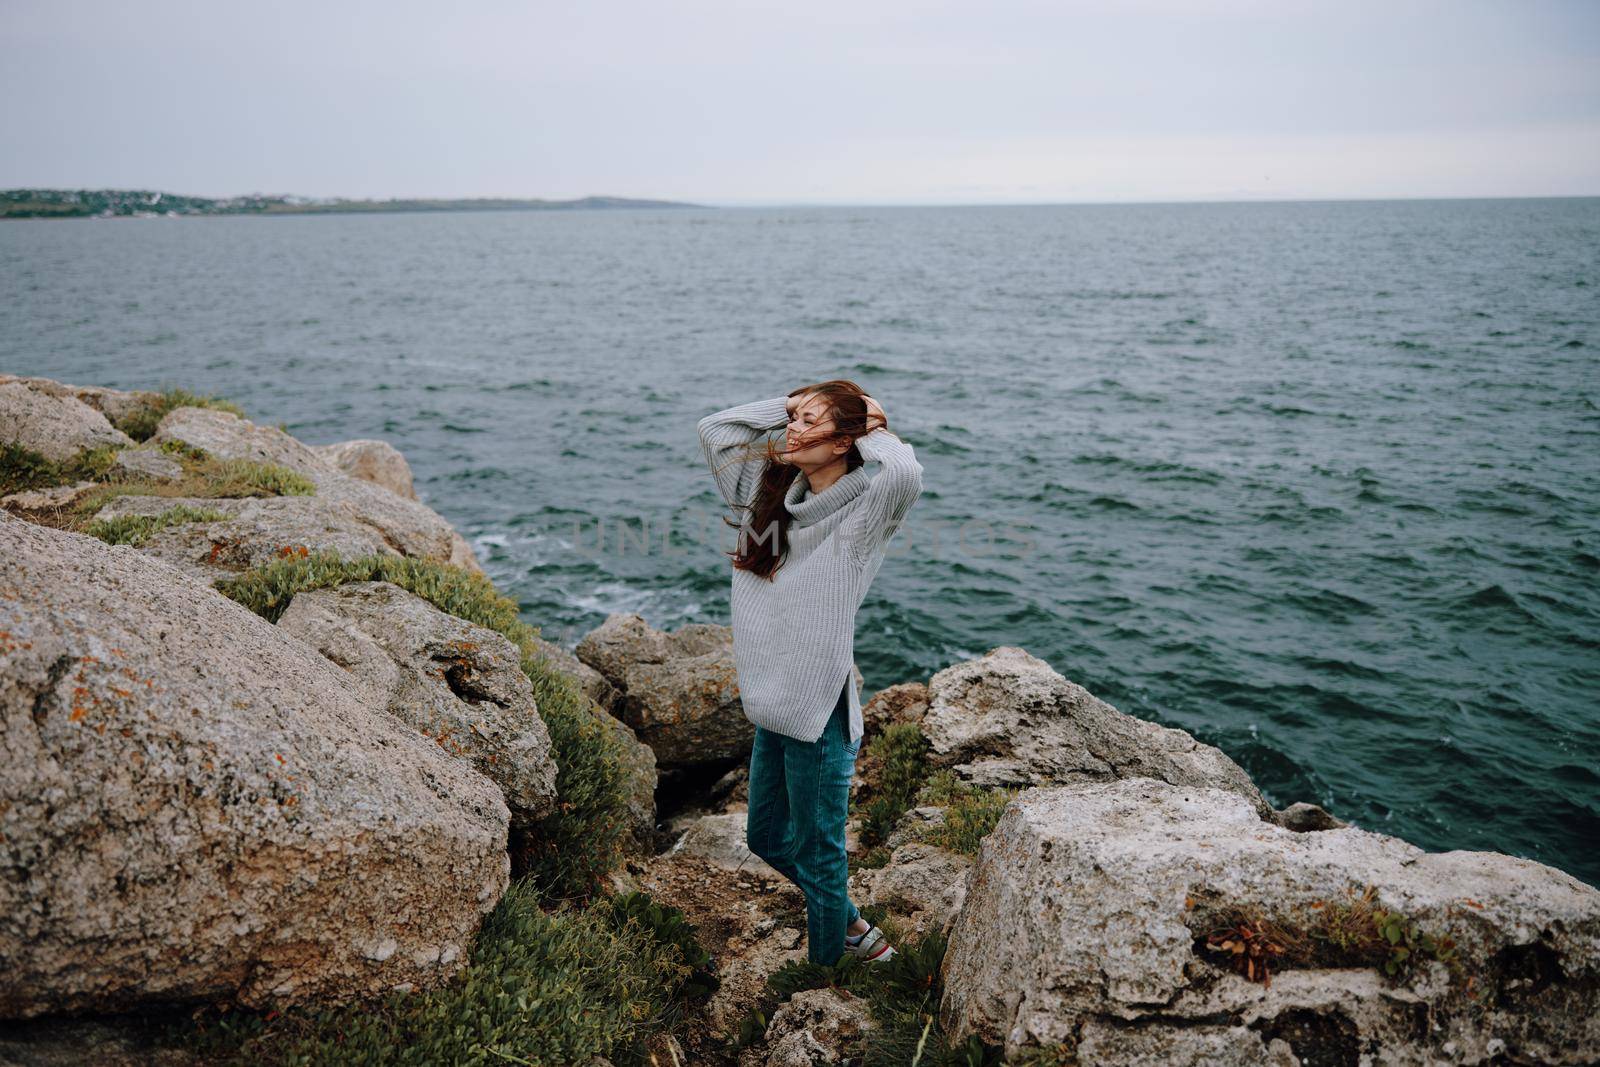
(874, 947)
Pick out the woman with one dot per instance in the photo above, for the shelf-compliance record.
(813, 533)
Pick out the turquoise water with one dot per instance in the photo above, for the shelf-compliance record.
(1315, 482)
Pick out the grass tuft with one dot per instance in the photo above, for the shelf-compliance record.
(137, 529)
(22, 468)
(140, 424)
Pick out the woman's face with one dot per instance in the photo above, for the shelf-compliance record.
(811, 420)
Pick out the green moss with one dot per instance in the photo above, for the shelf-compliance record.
(569, 852)
(140, 423)
(137, 529)
(23, 469)
(541, 987)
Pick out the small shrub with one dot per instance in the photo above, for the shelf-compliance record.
(22, 468)
(247, 477)
(669, 927)
(1253, 946)
(899, 755)
(874, 857)
(140, 423)
(567, 853)
(971, 812)
(137, 529)
(546, 988)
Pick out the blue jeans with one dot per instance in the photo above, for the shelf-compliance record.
(799, 800)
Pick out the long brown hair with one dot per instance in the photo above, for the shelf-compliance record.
(764, 555)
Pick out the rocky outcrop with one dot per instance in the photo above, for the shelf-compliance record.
(256, 531)
(1106, 892)
(53, 498)
(55, 426)
(406, 526)
(720, 839)
(1007, 719)
(378, 462)
(679, 691)
(591, 681)
(114, 404)
(922, 885)
(906, 702)
(459, 684)
(194, 805)
(814, 1027)
(146, 464)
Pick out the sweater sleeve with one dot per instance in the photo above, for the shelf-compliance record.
(724, 437)
(888, 496)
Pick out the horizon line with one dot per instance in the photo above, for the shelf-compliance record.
(665, 202)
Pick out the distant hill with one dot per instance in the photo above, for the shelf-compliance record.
(146, 203)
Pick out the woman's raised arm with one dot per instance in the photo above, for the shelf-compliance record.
(725, 437)
(888, 496)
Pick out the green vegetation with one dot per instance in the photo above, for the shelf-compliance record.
(208, 477)
(541, 987)
(140, 424)
(569, 852)
(137, 529)
(897, 765)
(970, 812)
(902, 996)
(898, 757)
(1354, 932)
(23, 469)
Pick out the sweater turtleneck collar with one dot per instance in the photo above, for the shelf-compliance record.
(818, 506)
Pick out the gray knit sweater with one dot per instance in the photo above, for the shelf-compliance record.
(794, 636)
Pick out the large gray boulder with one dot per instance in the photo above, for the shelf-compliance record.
(678, 691)
(57, 427)
(194, 805)
(459, 683)
(1008, 719)
(378, 462)
(1085, 918)
(408, 527)
(114, 404)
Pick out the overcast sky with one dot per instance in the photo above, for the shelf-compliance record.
(808, 101)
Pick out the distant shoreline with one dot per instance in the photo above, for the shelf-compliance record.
(149, 204)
